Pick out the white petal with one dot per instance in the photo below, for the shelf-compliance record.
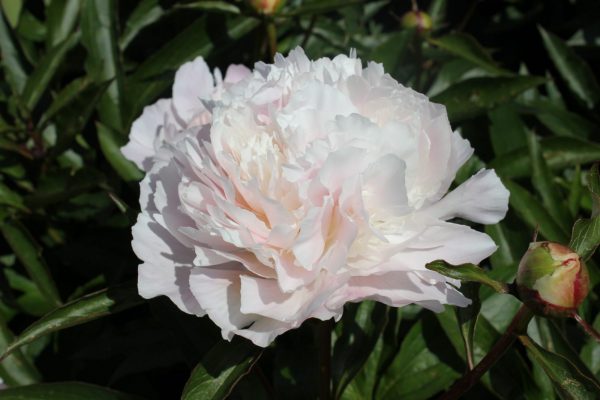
(218, 292)
(236, 72)
(140, 148)
(193, 82)
(166, 280)
(482, 198)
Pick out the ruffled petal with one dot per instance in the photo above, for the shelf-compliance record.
(482, 198)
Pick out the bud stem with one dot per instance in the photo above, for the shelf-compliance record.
(517, 326)
(587, 327)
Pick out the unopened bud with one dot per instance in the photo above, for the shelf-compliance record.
(552, 279)
(267, 6)
(417, 19)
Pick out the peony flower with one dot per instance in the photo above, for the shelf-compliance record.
(280, 194)
(552, 279)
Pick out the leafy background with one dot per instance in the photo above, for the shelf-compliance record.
(519, 79)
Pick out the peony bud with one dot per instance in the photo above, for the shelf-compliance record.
(417, 19)
(267, 6)
(552, 279)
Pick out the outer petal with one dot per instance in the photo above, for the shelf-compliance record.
(482, 198)
(218, 292)
(141, 146)
(158, 280)
(398, 289)
(193, 82)
(236, 72)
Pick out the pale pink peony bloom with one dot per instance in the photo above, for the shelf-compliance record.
(278, 195)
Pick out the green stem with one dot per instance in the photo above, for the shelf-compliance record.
(517, 326)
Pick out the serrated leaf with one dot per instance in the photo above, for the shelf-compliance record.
(63, 391)
(475, 96)
(111, 148)
(220, 370)
(466, 46)
(574, 70)
(466, 273)
(568, 380)
(77, 312)
(29, 254)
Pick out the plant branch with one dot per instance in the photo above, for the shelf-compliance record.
(518, 325)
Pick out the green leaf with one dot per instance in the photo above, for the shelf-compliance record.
(544, 184)
(218, 6)
(61, 16)
(15, 369)
(466, 46)
(416, 372)
(466, 273)
(29, 254)
(145, 13)
(191, 42)
(561, 121)
(568, 380)
(467, 319)
(220, 370)
(532, 212)
(99, 36)
(10, 198)
(575, 192)
(15, 74)
(361, 327)
(574, 70)
(74, 115)
(64, 98)
(31, 28)
(508, 131)
(392, 52)
(12, 10)
(88, 308)
(63, 391)
(44, 72)
(585, 237)
(559, 152)
(319, 7)
(475, 96)
(111, 148)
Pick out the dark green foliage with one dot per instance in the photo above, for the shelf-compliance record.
(519, 80)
